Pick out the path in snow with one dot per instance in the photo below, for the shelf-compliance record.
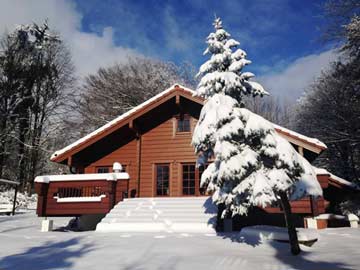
(23, 246)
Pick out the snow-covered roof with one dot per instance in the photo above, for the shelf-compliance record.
(301, 137)
(82, 177)
(173, 88)
(120, 118)
(335, 178)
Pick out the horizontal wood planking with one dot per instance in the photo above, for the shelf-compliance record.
(76, 211)
(83, 205)
(54, 208)
(323, 180)
(126, 155)
(163, 145)
(302, 206)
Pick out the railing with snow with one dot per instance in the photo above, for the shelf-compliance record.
(79, 194)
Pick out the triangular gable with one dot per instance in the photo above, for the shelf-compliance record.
(308, 143)
(175, 90)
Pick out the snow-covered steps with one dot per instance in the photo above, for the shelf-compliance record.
(175, 214)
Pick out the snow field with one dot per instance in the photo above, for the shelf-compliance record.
(25, 247)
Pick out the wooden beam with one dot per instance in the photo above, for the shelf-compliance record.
(301, 150)
(134, 127)
(9, 182)
(69, 161)
(138, 150)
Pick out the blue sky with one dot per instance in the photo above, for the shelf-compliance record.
(281, 37)
(274, 33)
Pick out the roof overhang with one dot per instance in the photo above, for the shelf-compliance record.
(178, 94)
(336, 181)
(127, 119)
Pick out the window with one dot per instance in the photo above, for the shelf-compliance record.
(188, 179)
(102, 169)
(162, 180)
(183, 124)
(107, 169)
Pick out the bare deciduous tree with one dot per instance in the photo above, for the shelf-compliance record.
(338, 13)
(276, 110)
(330, 110)
(116, 89)
(36, 70)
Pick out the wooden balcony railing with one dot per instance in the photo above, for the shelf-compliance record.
(75, 195)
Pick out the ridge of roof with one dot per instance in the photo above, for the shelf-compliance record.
(118, 119)
(174, 87)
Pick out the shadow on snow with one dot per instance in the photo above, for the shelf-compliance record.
(50, 255)
(283, 254)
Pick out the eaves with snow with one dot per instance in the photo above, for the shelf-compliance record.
(311, 144)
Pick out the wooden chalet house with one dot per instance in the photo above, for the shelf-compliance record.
(152, 144)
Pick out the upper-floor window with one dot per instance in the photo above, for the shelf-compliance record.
(183, 124)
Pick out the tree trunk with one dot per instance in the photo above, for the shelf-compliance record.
(3, 140)
(23, 126)
(293, 239)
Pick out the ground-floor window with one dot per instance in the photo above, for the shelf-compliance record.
(162, 179)
(191, 178)
(107, 169)
(103, 169)
(188, 175)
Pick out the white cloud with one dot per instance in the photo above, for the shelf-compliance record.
(297, 76)
(89, 50)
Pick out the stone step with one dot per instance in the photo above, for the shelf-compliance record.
(133, 227)
(182, 214)
(158, 219)
(168, 215)
(162, 204)
(175, 205)
(189, 198)
(175, 209)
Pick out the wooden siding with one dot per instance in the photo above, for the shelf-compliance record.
(302, 206)
(48, 204)
(126, 155)
(164, 145)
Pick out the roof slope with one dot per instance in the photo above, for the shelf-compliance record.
(56, 155)
(100, 132)
(335, 178)
(312, 141)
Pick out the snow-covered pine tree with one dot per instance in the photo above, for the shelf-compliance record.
(253, 165)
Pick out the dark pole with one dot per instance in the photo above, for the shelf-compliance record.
(14, 203)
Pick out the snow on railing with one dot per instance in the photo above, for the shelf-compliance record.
(82, 177)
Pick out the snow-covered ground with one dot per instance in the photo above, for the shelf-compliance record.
(23, 246)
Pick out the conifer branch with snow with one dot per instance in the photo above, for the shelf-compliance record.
(252, 165)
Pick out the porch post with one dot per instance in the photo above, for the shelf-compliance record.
(112, 193)
(42, 190)
(314, 206)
